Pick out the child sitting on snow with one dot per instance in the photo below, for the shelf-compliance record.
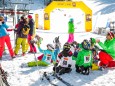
(94, 50)
(65, 63)
(46, 58)
(84, 59)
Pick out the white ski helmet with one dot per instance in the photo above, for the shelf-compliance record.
(50, 47)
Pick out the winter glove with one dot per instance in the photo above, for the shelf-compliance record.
(39, 38)
(70, 53)
(69, 65)
(38, 43)
(75, 54)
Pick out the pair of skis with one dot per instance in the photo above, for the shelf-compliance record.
(58, 77)
(47, 78)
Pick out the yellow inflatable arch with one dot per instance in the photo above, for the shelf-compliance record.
(68, 4)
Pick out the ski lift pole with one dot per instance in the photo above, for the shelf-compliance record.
(15, 22)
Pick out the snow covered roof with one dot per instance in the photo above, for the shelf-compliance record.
(23, 4)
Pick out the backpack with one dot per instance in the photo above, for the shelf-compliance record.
(25, 30)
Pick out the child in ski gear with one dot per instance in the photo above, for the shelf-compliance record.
(71, 30)
(95, 56)
(84, 59)
(30, 35)
(22, 32)
(57, 46)
(107, 54)
(46, 58)
(65, 63)
(4, 38)
(48, 55)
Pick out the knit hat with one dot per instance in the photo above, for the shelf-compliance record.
(71, 20)
(111, 34)
(29, 16)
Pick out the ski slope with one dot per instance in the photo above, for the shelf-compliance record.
(20, 75)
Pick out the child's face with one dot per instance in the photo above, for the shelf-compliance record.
(94, 53)
(108, 37)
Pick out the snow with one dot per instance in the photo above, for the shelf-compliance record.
(20, 75)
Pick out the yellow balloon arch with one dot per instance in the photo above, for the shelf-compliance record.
(68, 4)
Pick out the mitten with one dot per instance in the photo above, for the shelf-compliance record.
(38, 43)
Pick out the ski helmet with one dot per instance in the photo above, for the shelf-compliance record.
(50, 47)
(86, 44)
(66, 47)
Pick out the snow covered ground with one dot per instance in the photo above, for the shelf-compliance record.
(31, 76)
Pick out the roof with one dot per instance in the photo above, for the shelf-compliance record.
(22, 4)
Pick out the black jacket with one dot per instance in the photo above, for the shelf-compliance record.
(31, 24)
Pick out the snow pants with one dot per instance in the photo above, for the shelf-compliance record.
(71, 38)
(3, 40)
(83, 70)
(62, 70)
(20, 41)
(32, 47)
(106, 59)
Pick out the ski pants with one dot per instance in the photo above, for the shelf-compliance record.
(83, 70)
(3, 40)
(106, 59)
(20, 41)
(71, 38)
(32, 47)
(62, 70)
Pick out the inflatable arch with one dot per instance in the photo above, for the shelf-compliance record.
(68, 4)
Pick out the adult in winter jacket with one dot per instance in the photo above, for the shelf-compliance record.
(22, 38)
(31, 34)
(84, 59)
(107, 54)
(71, 30)
(4, 38)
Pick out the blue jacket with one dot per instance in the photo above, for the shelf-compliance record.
(3, 31)
(46, 53)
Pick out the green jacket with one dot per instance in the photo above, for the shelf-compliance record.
(70, 27)
(109, 47)
(84, 58)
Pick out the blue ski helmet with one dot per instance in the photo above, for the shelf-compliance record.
(86, 44)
